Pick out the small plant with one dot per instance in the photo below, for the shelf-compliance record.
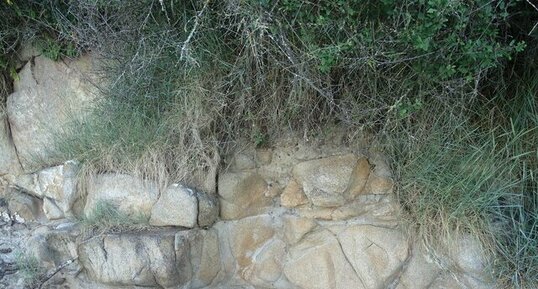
(106, 217)
(29, 268)
(259, 139)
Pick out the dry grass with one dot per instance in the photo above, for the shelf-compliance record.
(186, 83)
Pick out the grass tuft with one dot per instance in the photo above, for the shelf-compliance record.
(106, 218)
(29, 268)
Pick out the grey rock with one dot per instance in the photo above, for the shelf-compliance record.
(177, 206)
(132, 196)
(46, 97)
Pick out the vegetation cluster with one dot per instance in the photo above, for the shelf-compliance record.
(446, 88)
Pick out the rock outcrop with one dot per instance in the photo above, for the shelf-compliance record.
(47, 95)
(293, 216)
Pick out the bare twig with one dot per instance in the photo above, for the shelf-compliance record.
(51, 274)
(185, 47)
(535, 8)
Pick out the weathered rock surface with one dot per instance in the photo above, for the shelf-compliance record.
(9, 163)
(376, 253)
(56, 186)
(359, 178)
(420, 272)
(46, 96)
(296, 227)
(325, 180)
(247, 236)
(293, 218)
(208, 209)
(319, 262)
(23, 207)
(177, 206)
(293, 195)
(242, 194)
(131, 195)
(159, 259)
(134, 259)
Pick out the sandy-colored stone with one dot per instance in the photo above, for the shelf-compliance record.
(266, 265)
(376, 253)
(58, 184)
(293, 195)
(205, 258)
(177, 206)
(446, 281)
(381, 207)
(296, 227)
(378, 185)
(131, 195)
(272, 191)
(316, 213)
(248, 235)
(358, 180)
(242, 194)
(317, 262)
(46, 97)
(420, 272)
(325, 180)
(264, 156)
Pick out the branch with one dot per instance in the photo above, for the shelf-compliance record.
(51, 274)
(185, 47)
(535, 8)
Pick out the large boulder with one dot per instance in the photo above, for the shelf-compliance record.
(247, 236)
(54, 245)
(47, 95)
(134, 260)
(204, 256)
(184, 207)
(133, 196)
(293, 195)
(153, 259)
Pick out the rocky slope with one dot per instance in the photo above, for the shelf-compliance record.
(290, 216)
